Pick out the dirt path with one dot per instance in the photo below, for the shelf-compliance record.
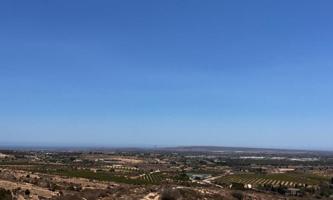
(151, 196)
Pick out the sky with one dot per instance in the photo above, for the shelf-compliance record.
(167, 73)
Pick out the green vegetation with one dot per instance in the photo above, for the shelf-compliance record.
(5, 194)
(152, 178)
(182, 177)
(101, 176)
(88, 174)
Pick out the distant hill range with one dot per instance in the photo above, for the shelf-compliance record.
(184, 149)
(219, 149)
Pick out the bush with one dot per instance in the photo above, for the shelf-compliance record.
(5, 194)
(237, 186)
(238, 195)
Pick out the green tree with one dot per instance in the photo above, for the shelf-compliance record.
(5, 194)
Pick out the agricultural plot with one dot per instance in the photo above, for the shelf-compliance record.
(151, 178)
(124, 168)
(288, 179)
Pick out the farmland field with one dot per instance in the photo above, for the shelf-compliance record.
(288, 179)
(152, 178)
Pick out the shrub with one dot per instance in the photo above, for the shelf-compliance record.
(5, 194)
(238, 195)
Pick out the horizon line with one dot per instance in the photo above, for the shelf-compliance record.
(100, 146)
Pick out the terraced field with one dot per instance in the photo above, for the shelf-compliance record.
(288, 179)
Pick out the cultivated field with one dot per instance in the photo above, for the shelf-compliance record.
(287, 179)
(152, 178)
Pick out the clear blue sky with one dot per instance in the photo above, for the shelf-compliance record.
(121, 73)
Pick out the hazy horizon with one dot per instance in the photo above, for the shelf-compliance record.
(167, 73)
(144, 147)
